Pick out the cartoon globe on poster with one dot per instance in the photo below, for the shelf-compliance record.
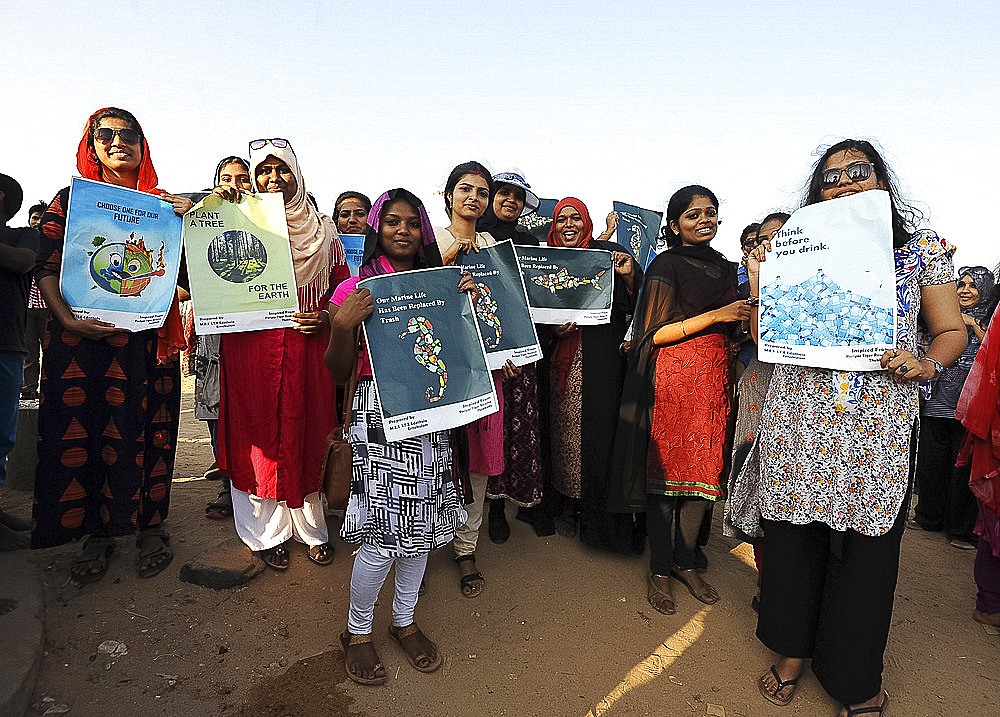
(124, 268)
(237, 256)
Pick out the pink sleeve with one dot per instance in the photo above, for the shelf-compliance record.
(343, 289)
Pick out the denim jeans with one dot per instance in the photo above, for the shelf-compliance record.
(11, 376)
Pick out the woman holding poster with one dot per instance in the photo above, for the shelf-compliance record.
(277, 403)
(676, 400)
(836, 462)
(107, 424)
(466, 198)
(523, 476)
(586, 371)
(404, 501)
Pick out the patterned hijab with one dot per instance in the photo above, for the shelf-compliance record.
(373, 262)
(89, 166)
(588, 224)
(310, 233)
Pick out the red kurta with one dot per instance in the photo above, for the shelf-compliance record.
(277, 407)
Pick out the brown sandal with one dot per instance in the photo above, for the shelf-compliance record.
(347, 641)
(421, 661)
(664, 601)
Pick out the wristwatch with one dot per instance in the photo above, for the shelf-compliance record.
(937, 365)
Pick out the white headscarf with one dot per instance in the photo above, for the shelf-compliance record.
(313, 236)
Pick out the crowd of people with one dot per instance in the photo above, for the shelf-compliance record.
(624, 434)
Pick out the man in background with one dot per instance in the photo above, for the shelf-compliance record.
(18, 250)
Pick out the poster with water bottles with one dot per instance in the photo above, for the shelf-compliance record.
(828, 286)
(426, 352)
(354, 251)
(240, 264)
(121, 254)
(502, 305)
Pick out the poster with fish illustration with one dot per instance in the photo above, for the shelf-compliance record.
(427, 353)
(566, 284)
(121, 253)
(820, 306)
(637, 229)
(502, 307)
(240, 264)
(538, 222)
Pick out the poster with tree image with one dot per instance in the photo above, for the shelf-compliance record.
(240, 264)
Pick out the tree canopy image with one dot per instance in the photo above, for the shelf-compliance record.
(237, 256)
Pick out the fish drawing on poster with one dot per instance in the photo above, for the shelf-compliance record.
(502, 306)
(637, 229)
(818, 306)
(121, 255)
(539, 221)
(427, 355)
(240, 264)
(565, 284)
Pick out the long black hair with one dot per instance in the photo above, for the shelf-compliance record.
(905, 217)
(678, 204)
(470, 167)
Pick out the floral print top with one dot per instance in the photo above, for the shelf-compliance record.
(835, 445)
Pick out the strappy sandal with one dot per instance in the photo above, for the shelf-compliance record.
(92, 563)
(873, 710)
(664, 601)
(421, 662)
(276, 557)
(773, 696)
(221, 507)
(155, 553)
(347, 641)
(321, 554)
(467, 583)
(706, 593)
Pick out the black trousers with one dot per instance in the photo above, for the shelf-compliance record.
(945, 501)
(828, 595)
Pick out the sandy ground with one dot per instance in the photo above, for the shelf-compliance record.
(559, 630)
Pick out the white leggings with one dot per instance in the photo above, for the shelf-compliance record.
(370, 571)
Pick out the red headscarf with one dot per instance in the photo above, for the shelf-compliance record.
(588, 224)
(171, 334)
(90, 168)
(565, 350)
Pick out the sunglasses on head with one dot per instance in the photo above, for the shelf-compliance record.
(275, 142)
(107, 134)
(857, 172)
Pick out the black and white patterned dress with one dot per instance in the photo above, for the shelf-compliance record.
(403, 501)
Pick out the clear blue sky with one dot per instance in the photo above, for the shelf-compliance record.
(627, 100)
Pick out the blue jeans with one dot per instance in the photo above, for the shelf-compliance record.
(11, 376)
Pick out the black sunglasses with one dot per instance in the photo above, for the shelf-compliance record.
(276, 142)
(107, 134)
(857, 172)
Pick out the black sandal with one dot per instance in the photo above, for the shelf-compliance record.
(873, 710)
(155, 553)
(321, 554)
(221, 507)
(467, 582)
(276, 557)
(92, 563)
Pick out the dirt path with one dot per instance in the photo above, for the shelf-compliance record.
(559, 630)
